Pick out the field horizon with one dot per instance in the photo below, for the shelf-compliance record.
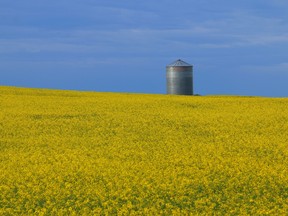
(136, 93)
(70, 152)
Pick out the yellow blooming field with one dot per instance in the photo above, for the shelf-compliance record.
(85, 153)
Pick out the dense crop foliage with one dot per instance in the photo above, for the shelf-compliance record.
(73, 153)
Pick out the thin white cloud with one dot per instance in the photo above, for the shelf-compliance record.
(237, 29)
(265, 39)
(37, 40)
(39, 45)
(272, 69)
(244, 29)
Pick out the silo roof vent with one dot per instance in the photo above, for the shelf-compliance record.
(179, 63)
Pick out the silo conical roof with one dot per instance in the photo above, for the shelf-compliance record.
(179, 63)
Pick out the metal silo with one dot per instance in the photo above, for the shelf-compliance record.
(179, 75)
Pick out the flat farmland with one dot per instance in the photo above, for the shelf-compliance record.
(86, 153)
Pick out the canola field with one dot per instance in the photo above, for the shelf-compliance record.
(85, 153)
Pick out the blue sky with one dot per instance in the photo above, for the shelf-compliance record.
(236, 47)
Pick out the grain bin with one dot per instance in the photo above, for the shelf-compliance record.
(179, 75)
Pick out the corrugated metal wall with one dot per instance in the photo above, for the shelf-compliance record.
(179, 78)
